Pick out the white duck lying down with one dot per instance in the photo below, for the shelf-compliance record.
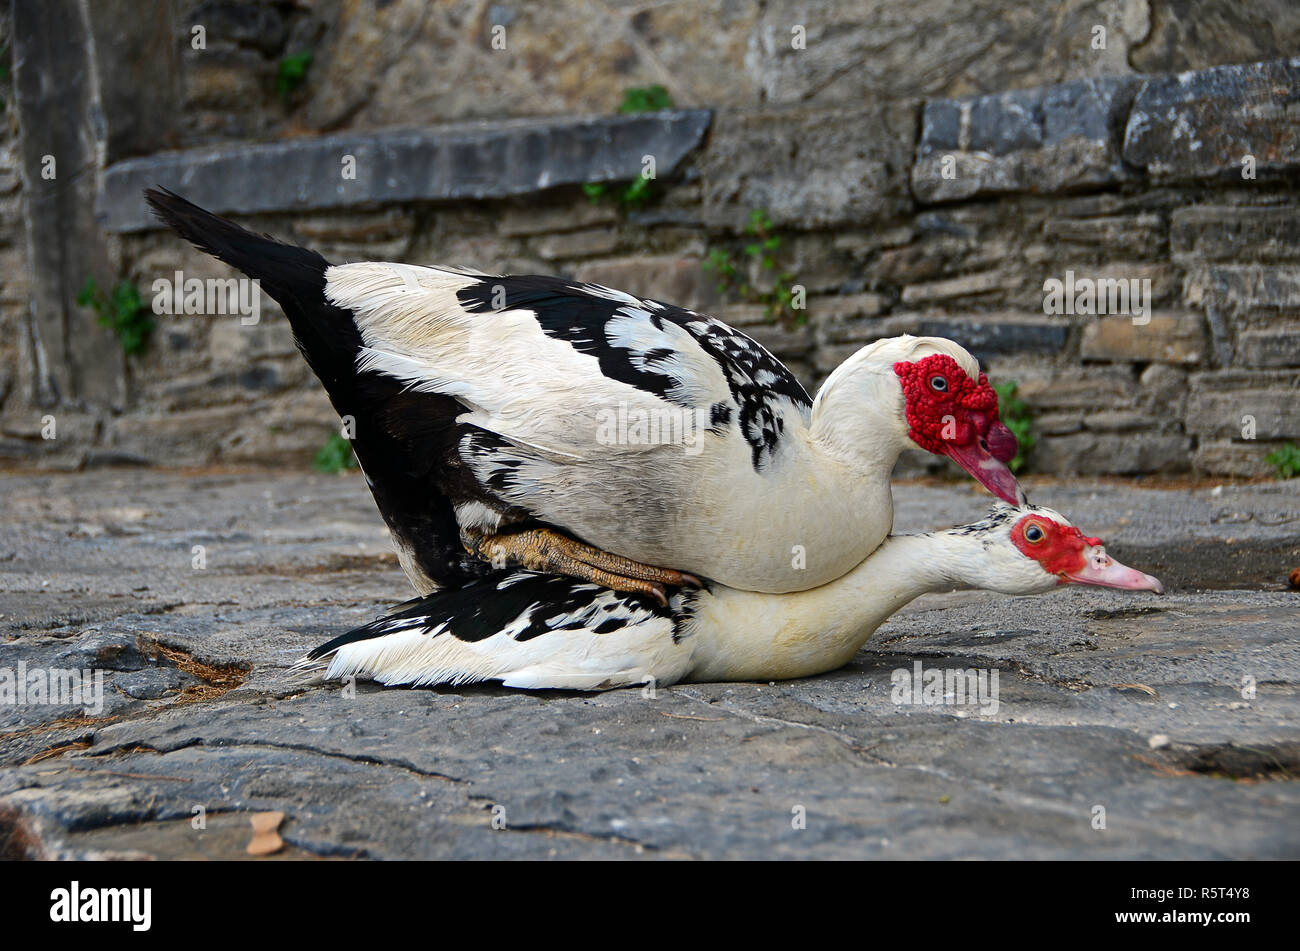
(548, 631)
(575, 429)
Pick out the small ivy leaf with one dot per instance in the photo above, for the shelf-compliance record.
(292, 71)
(646, 99)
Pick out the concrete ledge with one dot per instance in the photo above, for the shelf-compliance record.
(462, 161)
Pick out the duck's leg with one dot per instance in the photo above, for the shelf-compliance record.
(542, 549)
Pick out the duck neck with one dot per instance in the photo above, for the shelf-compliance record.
(859, 416)
(902, 569)
(745, 635)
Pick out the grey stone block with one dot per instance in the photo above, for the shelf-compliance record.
(1269, 348)
(1049, 139)
(990, 337)
(1235, 233)
(1095, 453)
(809, 170)
(1060, 389)
(1220, 402)
(1201, 124)
(1243, 459)
(472, 160)
(1244, 290)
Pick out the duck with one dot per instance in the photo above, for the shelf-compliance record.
(568, 428)
(531, 630)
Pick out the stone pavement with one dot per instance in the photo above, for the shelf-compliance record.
(1130, 704)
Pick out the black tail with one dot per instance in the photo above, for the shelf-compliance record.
(405, 441)
(293, 276)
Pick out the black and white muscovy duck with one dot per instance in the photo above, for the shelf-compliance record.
(548, 631)
(575, 429)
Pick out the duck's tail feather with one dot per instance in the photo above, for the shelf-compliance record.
(404, 441)
(294, 277)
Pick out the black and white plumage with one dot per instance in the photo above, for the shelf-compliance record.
(545, 631)
(639, 342)
(508, 626)
(545, 380)
(488, 404)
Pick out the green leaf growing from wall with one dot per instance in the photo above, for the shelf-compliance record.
(646, 99)
(1015, 414)
(123, 311)
(292, 72)
(641, 190)
(764, 247)
(335, 456)
(1285, 461)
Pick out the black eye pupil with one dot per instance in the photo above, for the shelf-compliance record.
(939, 383)
(1034, 534)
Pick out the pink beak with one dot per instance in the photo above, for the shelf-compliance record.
(1102, 570)
(987, 469)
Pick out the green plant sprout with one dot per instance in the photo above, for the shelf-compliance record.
(777, 300)
(335, 456)
(646, 99)
(639, 192)
(635, 195)
(292, 72)
(122, 311)
(1015, 414)
(1285, 460)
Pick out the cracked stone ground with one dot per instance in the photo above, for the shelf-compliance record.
(1129, 702)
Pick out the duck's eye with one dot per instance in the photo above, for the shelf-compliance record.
(1033, 534)
(939, 384)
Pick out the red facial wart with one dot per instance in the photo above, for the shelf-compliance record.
(952, 415)
(1059, 548)
(972, 406)
(1067, 553)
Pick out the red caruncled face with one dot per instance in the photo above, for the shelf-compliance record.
(1070, 555)
(1058, 548)
(950, 414)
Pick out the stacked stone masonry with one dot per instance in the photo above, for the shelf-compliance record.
(904, 203)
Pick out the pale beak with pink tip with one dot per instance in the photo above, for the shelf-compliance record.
(1104, 571)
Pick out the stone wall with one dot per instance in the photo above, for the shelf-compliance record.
(927, 165)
